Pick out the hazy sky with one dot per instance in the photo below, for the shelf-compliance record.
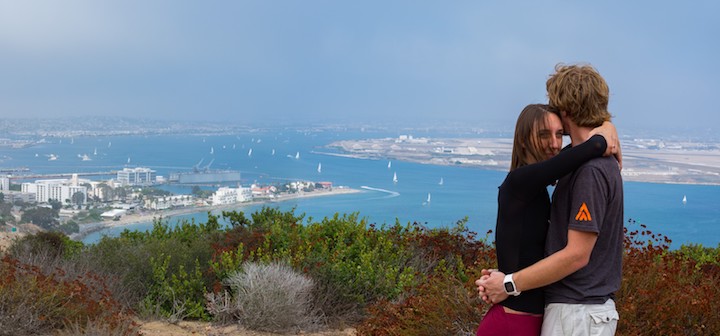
(389, 62)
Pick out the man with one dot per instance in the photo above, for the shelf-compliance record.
(583, 267)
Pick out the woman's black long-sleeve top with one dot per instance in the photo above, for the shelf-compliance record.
(524, 214)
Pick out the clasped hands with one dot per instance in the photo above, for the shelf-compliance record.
(490, 286)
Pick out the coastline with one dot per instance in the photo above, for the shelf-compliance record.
(673, 164)
(150, 216)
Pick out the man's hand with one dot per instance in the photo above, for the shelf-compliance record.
(490, 287)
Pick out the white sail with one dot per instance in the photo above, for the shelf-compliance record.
(95, 151)
(389, 164)
(128, 160)
(212, 150)
(297, 156)
(109, 144)
(395, 179)
(441, 181)
(684, 199)
(273, 152)
(428, 199)
(250, 152)
(319, 168)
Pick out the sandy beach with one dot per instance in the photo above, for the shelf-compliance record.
(145, 216)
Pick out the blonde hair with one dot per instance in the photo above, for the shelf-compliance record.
(527, 147)
(581, 92)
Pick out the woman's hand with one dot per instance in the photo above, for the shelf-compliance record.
(607, 130)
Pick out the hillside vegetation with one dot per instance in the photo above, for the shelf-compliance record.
(276, 271)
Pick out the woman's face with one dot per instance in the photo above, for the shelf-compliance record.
(550, 135)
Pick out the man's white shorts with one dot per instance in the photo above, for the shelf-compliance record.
(580, 319)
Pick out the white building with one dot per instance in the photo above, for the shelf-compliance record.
(14, 196)
(136, 176)
(4, 183)
(113, 214)
(59, 190)
(225, 195)
(167, 202)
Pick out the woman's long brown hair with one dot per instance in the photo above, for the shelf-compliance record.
(526, 143)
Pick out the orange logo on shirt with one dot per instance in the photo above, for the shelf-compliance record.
(583, 214)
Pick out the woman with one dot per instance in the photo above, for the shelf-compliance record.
(524, 209)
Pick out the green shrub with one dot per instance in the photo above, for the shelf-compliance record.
(353, 263)
(53, 244)
(702, 256)
(183, 253)
(175, 295)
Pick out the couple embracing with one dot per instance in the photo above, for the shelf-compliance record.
(559, 262)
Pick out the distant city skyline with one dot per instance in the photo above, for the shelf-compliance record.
(399, 64)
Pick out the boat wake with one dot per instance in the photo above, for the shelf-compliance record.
(389, 192)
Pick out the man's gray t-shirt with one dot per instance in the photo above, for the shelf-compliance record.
(591, 200)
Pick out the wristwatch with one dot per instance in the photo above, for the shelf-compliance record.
(509, 285)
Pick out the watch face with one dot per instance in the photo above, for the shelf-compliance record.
(509, 287)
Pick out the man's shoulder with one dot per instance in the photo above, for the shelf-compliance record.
(603, 162)
(605, 166)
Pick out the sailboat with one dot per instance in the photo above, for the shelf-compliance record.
(250, 152)
(427, 202)
(441, 181)
(109, 144)
(95, 151)
(319, 168)
(684, 199)
(212, 150)
(395, 179)
(128, 160)
(297, 156)
(273, 152)
(389, 164)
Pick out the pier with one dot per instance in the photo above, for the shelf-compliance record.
(59, 175)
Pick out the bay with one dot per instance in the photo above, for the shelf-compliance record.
(465, 192)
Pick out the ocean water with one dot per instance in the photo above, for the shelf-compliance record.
(465, 192)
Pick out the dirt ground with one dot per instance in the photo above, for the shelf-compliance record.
(159, 328)
(7, 238)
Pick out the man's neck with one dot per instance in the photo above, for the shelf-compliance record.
(579, 134)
